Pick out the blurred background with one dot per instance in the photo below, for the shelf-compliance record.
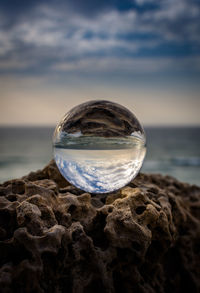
(143, 54)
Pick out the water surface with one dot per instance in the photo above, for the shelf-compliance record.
(173, 151)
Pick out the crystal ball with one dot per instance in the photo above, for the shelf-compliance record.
(99, 146)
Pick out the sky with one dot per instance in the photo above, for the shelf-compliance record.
(143, 54)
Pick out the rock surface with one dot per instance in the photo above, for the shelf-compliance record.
(102, 119)
(56, 238)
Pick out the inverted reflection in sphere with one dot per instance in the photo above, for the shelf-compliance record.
(99, 146)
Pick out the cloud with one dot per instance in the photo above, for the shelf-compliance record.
(177, 19)
(67, 36)
(127, 65)
(14, 64)
(57, 54)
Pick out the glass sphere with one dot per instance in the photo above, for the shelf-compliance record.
(99, 146)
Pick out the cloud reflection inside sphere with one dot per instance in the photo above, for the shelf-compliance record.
(99, 146)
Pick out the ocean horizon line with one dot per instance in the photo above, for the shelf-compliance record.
(145, 126)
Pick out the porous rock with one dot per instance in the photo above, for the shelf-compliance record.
(57, 238)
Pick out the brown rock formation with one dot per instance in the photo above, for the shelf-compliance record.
(56, 238)
(102, 118)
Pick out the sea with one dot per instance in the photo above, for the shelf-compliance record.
(173, 151)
